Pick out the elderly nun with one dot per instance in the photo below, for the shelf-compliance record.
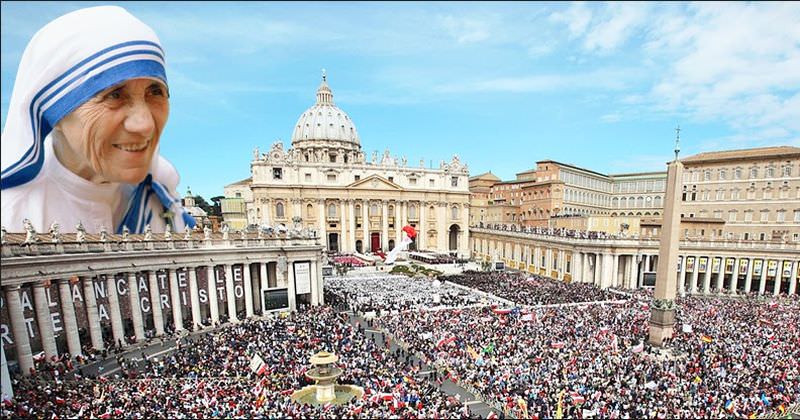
(80, 144)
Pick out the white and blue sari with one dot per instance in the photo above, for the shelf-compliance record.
(66, 63)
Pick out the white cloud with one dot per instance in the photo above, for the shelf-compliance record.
(576, 17)
(617, 24)
(465, 30)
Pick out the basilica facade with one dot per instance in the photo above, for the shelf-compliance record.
(326, 183)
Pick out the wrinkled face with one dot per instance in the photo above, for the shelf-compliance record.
(113, 136)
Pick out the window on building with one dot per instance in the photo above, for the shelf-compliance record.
(332, 156)
(753, 173)
(748, 216)
(308, 177)
(391, 179)
(309, 211)
(454, 181)
(787, 170)
(277, 173)
(358, 177)
(331, 177)
(454, 212)
(720, 195)
(279, 210)
(412, 211)
(718, 214)
(780, 216)
(770, 172)
(762, 236)
(737, 173)
(735, 194)
(765, 215)
(767, 193)
(707, 176)
(797, 216)
(332, 211)
(238, 194)
(723, 174)
(431, 183)
(412, 181)
(373, 210)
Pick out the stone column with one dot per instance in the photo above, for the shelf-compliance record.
(633, 272)
(366, 243)
(615, 271)
(397, 224)
(586, 275)
(22, 341)
(778, 278)
(266, 206)
(695, 274)
(155, 299)
(343, 234)
(682, 277)
(92, 316)
(70, 323)
(707, 276)
(385, 226)
(248, 291)
(422, 237)
(177, 315)
(735, 277)
(644, 261)
(351, 213)
(762, 284)
(793, 280)
(136, 307)
(721, 275)
(575, 267)
(662, 318)
(442, 233)
(44, 321)
(748, 279)
(194, 297)
(232, 317)
(608, 271)
(290, 276)
(323, 223)
(213, 300)
(117, 329)
(319, 282)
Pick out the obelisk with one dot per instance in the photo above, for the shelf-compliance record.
(662, 314)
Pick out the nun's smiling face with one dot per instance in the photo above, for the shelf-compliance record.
(113, 136)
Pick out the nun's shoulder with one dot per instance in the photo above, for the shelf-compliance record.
(19, 203)
(165, 173)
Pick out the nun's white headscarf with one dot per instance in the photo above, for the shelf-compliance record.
(67, 62)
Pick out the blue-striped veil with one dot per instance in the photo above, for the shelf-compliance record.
(66, 63)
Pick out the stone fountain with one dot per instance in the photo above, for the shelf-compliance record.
(324, 373)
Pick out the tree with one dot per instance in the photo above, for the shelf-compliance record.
(217, 208)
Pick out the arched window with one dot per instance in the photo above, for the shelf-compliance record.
(332, 210)
(432, 212)
(373, 210)
(454, 212)
(657, 201)
(279, 210)
(412, 211)
(309, 211)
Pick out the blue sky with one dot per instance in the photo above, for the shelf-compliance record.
(598, 85)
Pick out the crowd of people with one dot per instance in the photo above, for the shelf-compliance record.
(731, 358)
(530, 289)
(549, 231)
(383, 293)
(210, 376)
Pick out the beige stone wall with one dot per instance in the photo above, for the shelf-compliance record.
(758, 197)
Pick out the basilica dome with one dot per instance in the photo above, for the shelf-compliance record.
(325, 122)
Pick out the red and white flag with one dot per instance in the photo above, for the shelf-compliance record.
(577, 398)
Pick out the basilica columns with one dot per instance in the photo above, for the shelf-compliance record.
(93, 318)
(248, 291)
(43, 320)
(70, 323)
(385, 225)
(194, 298)
(22, 343)
(177, 316)
(136, 307)
(113, 305)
